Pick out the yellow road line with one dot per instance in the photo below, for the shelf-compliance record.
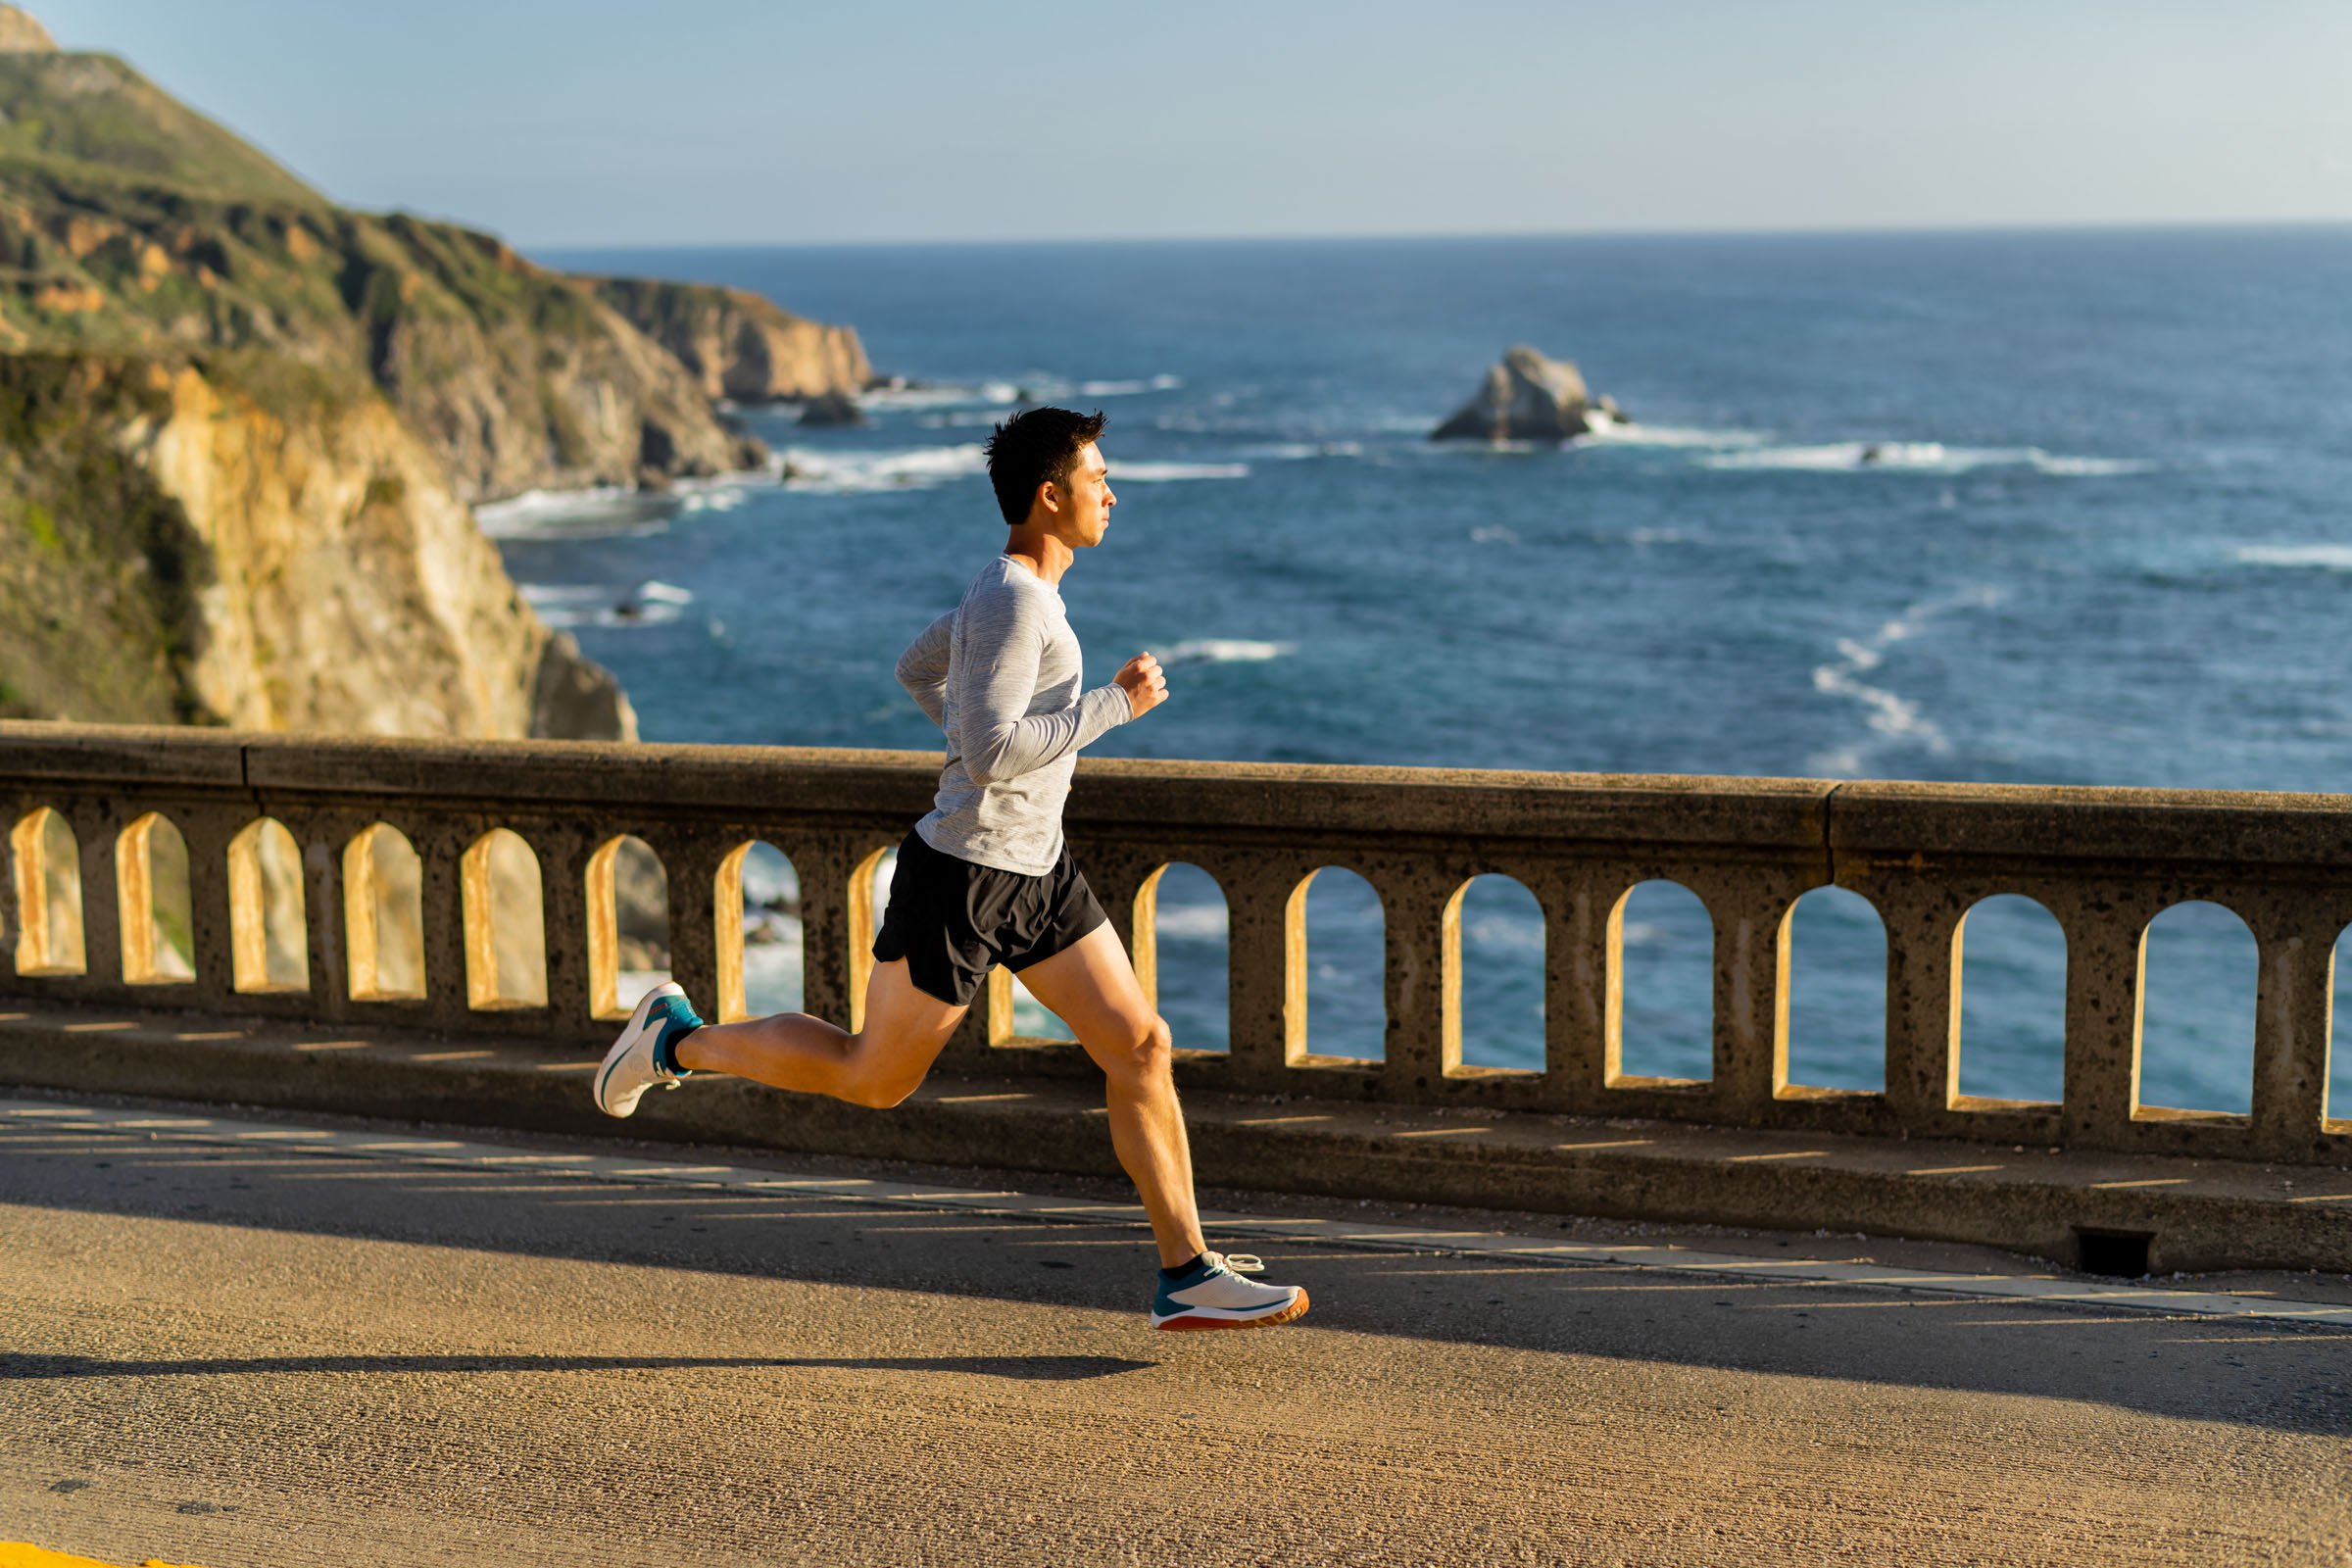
(24, 1554)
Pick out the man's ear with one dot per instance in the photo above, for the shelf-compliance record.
(1048, 496)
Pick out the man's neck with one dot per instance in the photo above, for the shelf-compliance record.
(1041, 553)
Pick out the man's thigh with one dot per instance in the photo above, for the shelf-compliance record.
(1091, 985)
(904, 1025)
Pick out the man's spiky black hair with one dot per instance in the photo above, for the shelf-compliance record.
(1036, 445)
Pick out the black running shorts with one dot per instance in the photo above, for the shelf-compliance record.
(952, 921)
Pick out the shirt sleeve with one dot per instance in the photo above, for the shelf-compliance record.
(923, 667)
(995, 679)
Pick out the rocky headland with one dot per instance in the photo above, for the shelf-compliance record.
(1529, 396)
(742, 346)
(243, 428)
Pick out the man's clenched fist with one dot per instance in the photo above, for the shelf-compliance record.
(1145, 687)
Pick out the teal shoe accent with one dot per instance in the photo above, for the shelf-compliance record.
(678, 1020)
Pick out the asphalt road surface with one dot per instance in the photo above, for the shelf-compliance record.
(265, 1355)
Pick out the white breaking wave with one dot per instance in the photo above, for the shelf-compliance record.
(1166, 472)
(569, 605)
(1225, 651)
(1918, 457)
(916, 398)
(861, 473)
(997, 392)
(1504, 934)
(1895, 717)
(573, 512)
(2328, 558)
(1195, 921)
(1128, 389)
(1628, 433)
(1303, 451)
(2089, 468)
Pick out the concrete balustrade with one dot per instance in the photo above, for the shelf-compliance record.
(481, 821)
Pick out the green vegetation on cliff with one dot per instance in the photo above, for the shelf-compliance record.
(99, 568)
(131, 224)
(240, 424)
(94, 116)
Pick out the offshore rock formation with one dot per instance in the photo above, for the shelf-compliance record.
(739, 345)
(1526, 396)
(241, 426)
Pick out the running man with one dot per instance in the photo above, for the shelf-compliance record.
(986, 878)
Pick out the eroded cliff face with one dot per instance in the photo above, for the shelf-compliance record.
(286, 562)
(350, 589)
(740, 345)
(240, 427)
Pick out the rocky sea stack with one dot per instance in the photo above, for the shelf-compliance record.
(1528, 397)
(243, 426)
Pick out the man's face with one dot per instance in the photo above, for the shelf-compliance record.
(1088, 499)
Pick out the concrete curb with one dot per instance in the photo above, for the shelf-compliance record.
(2162, 1213)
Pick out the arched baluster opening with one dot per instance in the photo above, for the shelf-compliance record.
(2198, 965)
(270, 945)
(628, 925)
(384, 915)
(1837, 992)
(1346, 958)
(47, 860)
(2012, 961)
(151, 894)
(759, 939)
(1661, 1023)
(2337, 1109)
(505, 923)
(1182, 955)
(869, 901)
(1497, 989)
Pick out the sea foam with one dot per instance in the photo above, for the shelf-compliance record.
(863, 473)
(2328, 558)
(1225, 651)
(579, 514)
(1919, 457)
(1169, 472)
(1898, 718)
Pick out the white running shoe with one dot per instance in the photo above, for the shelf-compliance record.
(630, 1068)
(1212, 1295)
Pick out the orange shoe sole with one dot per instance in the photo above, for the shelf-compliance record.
(1188, 1325)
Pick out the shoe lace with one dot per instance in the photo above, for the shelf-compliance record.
(1243, 1262)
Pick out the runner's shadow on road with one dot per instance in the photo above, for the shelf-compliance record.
(2275, 1377)
(1021, 1368)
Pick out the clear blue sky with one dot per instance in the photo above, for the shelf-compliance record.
(695, 121)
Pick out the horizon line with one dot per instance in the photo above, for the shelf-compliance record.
(1853, 230)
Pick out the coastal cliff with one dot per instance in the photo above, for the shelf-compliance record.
(176, 548)
(739, 345)
(244, 425)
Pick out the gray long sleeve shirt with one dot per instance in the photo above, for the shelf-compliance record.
(999, 675)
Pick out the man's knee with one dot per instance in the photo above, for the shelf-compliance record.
(1150, 1057)
(877, 1077)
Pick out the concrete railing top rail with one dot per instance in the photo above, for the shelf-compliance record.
(2104, 861)
(2006, 821)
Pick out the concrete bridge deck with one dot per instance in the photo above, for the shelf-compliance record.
(287, 1350)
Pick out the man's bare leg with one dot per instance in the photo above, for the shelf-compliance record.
(1092, 987)
(879, 1065)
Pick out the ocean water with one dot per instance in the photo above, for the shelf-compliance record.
(2035, 506)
